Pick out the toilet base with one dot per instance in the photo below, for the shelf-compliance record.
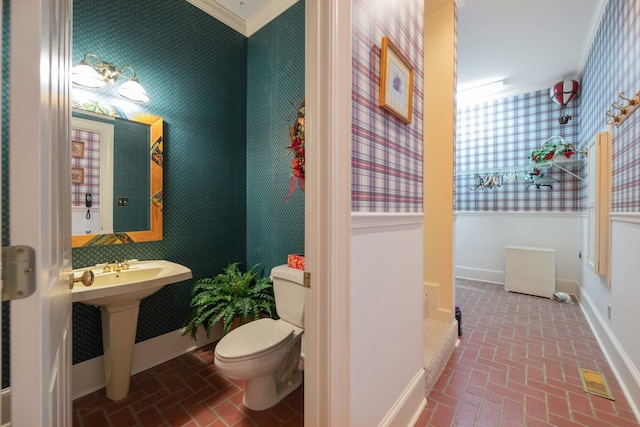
(262, 392)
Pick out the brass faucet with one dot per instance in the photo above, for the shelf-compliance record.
(117, 266)
(125, 265)
(106, 268)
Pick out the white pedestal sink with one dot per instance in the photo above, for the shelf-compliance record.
(118, 294)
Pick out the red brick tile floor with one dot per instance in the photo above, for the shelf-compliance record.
(517, 365)
(186, 391)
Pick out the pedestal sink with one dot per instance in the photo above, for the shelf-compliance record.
(118, 294)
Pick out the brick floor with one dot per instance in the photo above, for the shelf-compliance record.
(185, 391)
(517, 365)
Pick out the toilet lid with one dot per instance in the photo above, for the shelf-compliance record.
(259, 336)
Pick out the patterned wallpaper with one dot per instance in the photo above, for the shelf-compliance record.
(496, 137)
(386, 153)
(5, 181)
(613, 66)
(88, 160)
(275, 88)
(194, 70)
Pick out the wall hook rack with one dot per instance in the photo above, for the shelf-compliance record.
(624, 109)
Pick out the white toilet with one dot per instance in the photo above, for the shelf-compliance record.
(266, 352)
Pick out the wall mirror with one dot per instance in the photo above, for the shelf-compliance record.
(116, 178)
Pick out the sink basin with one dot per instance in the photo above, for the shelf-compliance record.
(118, 294)
(142, 279)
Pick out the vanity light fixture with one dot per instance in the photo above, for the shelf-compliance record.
(102, 73)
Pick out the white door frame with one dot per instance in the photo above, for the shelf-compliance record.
(328, 211)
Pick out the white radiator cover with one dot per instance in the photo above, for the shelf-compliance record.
(530, 270)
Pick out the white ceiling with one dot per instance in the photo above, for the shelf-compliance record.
(529, 44)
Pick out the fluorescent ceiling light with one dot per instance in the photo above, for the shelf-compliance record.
(478, 92)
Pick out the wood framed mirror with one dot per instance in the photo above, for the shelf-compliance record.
(155, 188)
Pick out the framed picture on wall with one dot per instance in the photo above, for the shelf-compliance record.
(77, 149)
(396, 82)
(77, 175)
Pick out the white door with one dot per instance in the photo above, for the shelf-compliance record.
(39, 209)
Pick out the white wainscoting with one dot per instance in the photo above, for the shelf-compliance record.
(618, 336)
(387, 377)
(481, 237)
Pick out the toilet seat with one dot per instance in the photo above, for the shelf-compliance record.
(254, 339)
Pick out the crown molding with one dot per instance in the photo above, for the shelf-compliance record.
(272, 10)
(591, 34)
(265, 15)
(222, 14)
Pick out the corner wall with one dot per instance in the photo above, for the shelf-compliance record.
(386, 233)
(439, 147)
(275, 90)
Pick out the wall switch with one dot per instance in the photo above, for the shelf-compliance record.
(123, 201)
(609, 311)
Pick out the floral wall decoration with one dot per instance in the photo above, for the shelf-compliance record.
(296, 148)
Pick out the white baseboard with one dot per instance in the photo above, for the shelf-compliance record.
(480, 274)
(88, 376)
(409, 406)
(495, 276)
(434, 307)
(627, 375)
(5, 401)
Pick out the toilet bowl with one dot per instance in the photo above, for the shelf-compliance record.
(266, 352)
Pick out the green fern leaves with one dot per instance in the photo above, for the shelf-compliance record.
(231, 296)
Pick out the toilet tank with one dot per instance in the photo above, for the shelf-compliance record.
(289, 292)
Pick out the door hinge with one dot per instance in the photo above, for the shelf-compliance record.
(307, 279)
(18, 272)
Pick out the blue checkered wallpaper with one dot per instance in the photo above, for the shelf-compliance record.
(386, 158)
(496, 137)
(613, 66)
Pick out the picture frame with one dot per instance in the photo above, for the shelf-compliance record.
(77, 149)
(396, 82)
(77, 175)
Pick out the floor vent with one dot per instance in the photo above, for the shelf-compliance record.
(595, 383)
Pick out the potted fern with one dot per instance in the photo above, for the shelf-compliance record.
(233, 297)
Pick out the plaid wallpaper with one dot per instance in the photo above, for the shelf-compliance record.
(613, 66)
(386, 153)
(90, 163)
(496, 137)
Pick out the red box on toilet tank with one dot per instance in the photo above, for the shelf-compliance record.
(295, 261)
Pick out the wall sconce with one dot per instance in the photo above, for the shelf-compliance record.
(102, 73)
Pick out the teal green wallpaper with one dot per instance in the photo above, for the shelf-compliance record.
(198, 73)
(275, 88)
(5, 180)
(194, 69)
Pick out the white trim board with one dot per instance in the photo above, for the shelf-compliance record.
(255, 22)
(631, 217)
(410, 404)
(376, 219)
